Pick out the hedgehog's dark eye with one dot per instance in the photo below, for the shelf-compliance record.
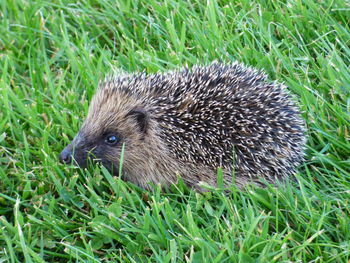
(111, 139)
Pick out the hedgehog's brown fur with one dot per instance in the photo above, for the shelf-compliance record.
(189, 123)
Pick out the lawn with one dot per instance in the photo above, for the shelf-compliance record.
(52, 56)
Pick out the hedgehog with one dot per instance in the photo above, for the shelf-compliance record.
(188, 123)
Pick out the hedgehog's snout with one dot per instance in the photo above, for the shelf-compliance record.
(65, 156)
(79, 152)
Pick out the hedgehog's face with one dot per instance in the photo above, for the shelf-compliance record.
(111, 122)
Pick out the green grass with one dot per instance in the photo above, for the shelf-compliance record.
(52, 55)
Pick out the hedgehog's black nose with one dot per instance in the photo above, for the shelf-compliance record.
(65, 156)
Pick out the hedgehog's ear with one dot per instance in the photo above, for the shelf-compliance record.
(142, 118)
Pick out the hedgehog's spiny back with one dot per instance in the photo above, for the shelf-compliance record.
(212, 111)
